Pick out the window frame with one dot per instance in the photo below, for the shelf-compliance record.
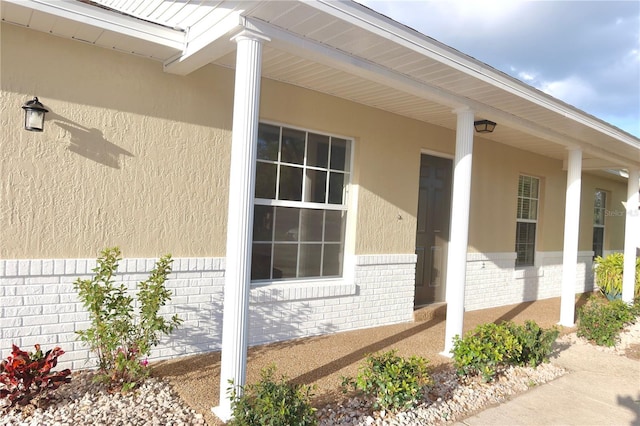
(519, 263)
(326, 206)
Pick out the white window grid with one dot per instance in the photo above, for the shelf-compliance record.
(306, 204)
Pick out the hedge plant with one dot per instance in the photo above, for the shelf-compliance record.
(490, 347)
(392, 382)
(601, 321)
(271, 402)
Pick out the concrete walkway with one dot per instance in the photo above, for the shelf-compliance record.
(599, 389)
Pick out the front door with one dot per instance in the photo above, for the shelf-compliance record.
(432, 234)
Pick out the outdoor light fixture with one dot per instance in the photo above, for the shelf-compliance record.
(34, 113)
(484, 126)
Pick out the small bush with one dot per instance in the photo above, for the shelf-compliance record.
(25, 376)
(608, 272)
(601, 322)
(536, 343)
(485, 350)
(121, 339)
(273, 403)
(391, 381)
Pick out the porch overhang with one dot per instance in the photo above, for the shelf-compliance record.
(346, 50)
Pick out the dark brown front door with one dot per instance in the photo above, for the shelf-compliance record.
(432, 234)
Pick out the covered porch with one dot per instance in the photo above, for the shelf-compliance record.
(349, 52)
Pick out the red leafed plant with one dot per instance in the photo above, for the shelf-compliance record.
(27, 375)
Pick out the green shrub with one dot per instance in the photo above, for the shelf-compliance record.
(485, 350)
(608, 272)
(536, 343)
(391, 381)
(273, 403)
(601, 321)
(121, 339)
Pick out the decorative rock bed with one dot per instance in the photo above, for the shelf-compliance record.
(83, 402)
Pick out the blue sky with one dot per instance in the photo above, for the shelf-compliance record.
(586, 53)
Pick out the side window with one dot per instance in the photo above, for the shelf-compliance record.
(599, 207)
(527, 220)
(300, 204)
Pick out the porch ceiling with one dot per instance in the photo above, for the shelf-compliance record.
(342, 49)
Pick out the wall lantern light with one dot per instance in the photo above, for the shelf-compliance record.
(484, 126)
(34, 113)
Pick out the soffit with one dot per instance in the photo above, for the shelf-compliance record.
(446, 79)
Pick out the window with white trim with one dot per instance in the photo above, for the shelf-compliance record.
(599, 213)
(527, 220)
(300, 204)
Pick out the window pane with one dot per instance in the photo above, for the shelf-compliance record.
(332, 260)
(534, 187)
(290, 183)
(525, 243)
(525, 208)
(310, 260)
(533, 210)
(336, 187)
(333, 226)
(318, 151)
(523, 186)
(339, 154)
(292, 146)
(598, 216)
(263, 223)
(311, 225)
(316, 186)
(519, 208)
(285, 259)
(598, 241)
(261, 262)
(266, 180)
(287, 224)
(268, 141)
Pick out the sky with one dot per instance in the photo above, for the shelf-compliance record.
(585, 53)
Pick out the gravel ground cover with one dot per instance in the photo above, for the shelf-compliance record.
(158, 402)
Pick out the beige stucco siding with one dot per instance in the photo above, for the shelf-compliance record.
(139, 158)
(130, 156)
(386, 160)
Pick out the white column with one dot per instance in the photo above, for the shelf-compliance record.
(631, 236)
(571, 231)
(246, 103)
(459, 238)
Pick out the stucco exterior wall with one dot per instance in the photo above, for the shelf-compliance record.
(134, 157)
(130, 156)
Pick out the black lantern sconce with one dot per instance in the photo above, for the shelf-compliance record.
(34, 113)
(484, 126)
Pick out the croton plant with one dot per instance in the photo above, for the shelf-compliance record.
(27, 375)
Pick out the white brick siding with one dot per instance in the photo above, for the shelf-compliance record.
(40, 305)
(493, 280)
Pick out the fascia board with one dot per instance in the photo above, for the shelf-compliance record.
(206, 47)
(109, 21)
(371, 21)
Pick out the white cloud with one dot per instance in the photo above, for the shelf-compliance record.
(573, 90)
(526, 76)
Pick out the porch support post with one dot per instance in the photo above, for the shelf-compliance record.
(246, 103)
(571, 231)
(631, 236)
(457, 256)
